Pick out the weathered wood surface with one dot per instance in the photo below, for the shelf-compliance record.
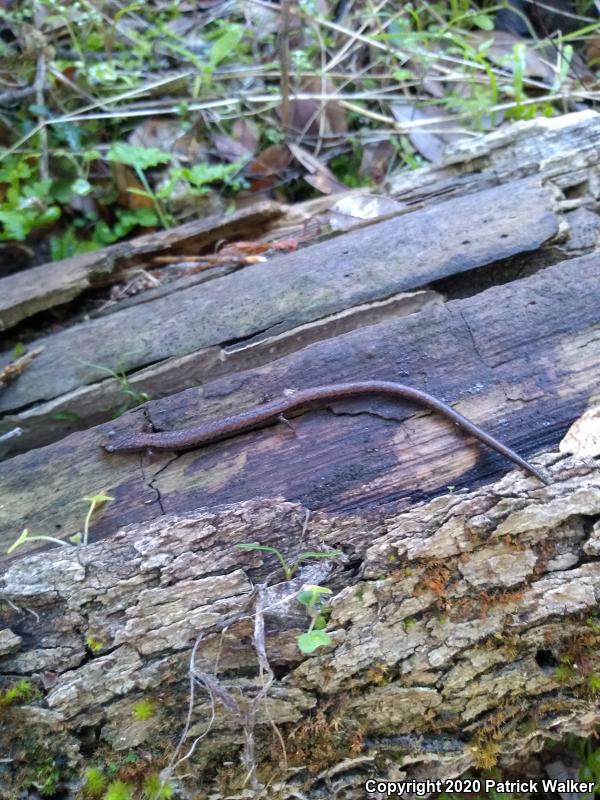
(448, 624)
(522, 360)
(44, 423)
(449, 619)
(561, 152)
(362, 266)
(567, 156)
(26, 293)
(377, 263)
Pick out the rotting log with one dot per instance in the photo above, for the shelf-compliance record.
(463, 629)
(478, 189)
(26, 293)
(463, 635)
(561, 153)
(371, 264)
(522, 360)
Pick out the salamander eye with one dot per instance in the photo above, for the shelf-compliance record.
(106, 444)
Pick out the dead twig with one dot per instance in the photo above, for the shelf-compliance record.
(284, 59)
(17, 367)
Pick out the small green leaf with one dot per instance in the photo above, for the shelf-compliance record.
(225, 45)
(18, 542)
(69, 132)
(98, 498)
(39, 110)
(66, 416)
(311, 595)
(142, 157)
(320, 554)
(81, 187)
(18, 351)
(14, 225)
(483, 21)
(249, 546)
(309, 642)
(92, 155)
(201, 174)
(51, 214)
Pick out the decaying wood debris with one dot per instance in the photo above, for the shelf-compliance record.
(464, 606)
(462, 225)
(464, 635)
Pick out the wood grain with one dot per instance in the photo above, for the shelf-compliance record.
(362, 266)
(521, 360)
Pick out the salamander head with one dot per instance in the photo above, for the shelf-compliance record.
(121, 442)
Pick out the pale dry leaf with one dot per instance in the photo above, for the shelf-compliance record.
(350, 211)
(583, 437)
(502, 49)
(314, 117)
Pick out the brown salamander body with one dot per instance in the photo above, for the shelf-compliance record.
(298, 403)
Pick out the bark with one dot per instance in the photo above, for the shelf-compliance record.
(463, 635)
(521, 360)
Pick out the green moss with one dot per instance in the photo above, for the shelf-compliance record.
(93, 645)
(45, 777)
(594, 682)
(565, 673)
(118, 790)
(95, 782)
(21, 692)
(152, 789)
(144, 709)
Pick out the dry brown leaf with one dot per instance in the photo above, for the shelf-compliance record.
(267, 166)
(125, 181)
(229, 149)
(430, 139)
(246, 133)
(376, 160)
(313, 117)
(319, 175)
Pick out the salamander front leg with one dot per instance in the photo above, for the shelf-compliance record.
(285, 421)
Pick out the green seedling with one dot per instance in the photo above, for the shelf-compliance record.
(78, 538)
(290, 569)
(312, 597)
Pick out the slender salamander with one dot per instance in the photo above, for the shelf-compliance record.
(298, 403)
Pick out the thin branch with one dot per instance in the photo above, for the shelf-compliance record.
(40, 82)
(284, 64)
